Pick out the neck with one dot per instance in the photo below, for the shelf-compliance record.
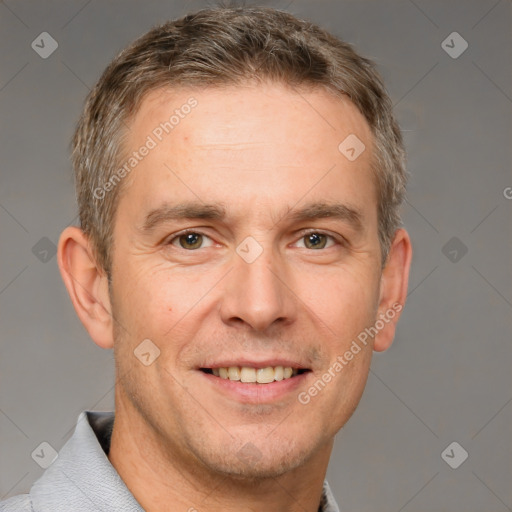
(159, 477)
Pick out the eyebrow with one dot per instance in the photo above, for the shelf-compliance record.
(337, 211)
(197, 210)
(192, 210)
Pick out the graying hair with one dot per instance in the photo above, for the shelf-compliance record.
(218, 47)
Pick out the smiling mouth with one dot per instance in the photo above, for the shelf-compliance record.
(251, 375)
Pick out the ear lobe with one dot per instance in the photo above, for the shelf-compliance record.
(393, 289)
(87, 285)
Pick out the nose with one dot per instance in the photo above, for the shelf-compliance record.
(258, 294)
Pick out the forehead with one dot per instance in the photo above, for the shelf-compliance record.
(272, 112)
(262, 144)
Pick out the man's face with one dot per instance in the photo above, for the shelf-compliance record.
(257, 286)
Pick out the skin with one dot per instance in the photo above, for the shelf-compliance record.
(262, 152)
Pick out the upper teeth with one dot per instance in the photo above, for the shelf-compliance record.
(260, 375)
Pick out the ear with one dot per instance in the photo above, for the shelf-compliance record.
(87, 285)
(393, 289)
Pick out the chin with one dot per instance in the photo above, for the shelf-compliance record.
(250, 464)
(259, 471)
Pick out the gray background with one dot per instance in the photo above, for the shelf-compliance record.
(446, 377)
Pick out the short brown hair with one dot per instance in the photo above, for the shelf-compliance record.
(222, 46)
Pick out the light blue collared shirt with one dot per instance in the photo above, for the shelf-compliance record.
(82, 479)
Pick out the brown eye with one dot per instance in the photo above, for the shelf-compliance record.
(315, 240)
(190, 240)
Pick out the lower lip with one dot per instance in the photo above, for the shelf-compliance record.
(253, 393)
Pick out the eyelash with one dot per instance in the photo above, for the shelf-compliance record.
(338, 241)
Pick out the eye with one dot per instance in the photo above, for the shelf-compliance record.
(317, 240)
(191, 240)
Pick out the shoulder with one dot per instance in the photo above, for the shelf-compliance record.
(21, 503)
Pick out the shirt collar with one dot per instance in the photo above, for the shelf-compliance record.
(328, 503)
(83, 479)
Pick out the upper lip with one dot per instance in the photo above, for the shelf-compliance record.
(255, 363)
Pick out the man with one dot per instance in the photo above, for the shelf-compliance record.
(239, 174)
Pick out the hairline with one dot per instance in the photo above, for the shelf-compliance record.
(126, 123)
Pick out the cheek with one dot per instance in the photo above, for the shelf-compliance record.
(150, 292)
(345, 300)
(162, 304)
